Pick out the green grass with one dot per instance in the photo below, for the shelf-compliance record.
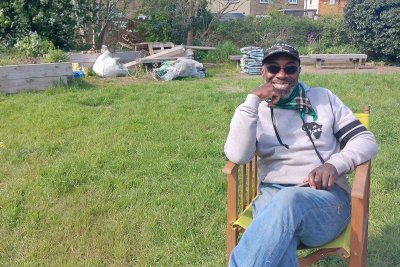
(115, 173)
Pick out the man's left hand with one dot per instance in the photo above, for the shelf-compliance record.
(322, 177)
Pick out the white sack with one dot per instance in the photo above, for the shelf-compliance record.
(106, 66)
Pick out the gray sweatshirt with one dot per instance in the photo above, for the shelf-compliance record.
(251, 131)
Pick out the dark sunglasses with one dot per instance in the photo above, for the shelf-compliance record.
(274, 69)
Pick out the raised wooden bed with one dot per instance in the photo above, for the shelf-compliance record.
(33, 77)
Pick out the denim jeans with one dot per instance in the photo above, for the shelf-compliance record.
(284, 217)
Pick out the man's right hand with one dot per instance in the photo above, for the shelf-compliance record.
(266, 91)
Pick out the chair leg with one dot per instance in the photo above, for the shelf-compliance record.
(231, 241)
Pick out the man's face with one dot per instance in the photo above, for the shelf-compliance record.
(274, 71)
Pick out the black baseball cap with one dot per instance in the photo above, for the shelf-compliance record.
(281, 48)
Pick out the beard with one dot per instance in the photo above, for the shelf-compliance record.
(284, 88)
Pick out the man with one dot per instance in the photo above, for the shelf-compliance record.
(296, 132)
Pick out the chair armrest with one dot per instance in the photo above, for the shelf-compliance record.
(359, 217)
(230, 167)
(361, 181)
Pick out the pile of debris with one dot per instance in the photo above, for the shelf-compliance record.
(159, 52)
(251, 61)
(182, 67)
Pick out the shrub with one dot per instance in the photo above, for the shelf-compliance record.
(251, 31)
(321, 48)
(333, 31)
(33, 45)
(375, 27)
(222, 53)
(56, 55)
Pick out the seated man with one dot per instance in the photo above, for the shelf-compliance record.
(296, 132)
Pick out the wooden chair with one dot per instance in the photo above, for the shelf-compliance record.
(351, 244)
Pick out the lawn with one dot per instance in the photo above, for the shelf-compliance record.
(119, 172)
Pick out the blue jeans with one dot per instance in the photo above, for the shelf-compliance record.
(284, 217)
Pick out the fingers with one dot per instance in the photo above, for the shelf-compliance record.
(322, 177)
(274, 99)
(266, 91)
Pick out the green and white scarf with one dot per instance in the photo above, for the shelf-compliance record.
(298, 101)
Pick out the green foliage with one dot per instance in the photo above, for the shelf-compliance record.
(56, 55)
(263, 31)
(11, 56)
(221, 55)
(94, 19)
(321, 48)
(63, 22)
(173, 20)
(331, 37)
(375, 27)
(34, 45)
(51, 20)
(333, 31)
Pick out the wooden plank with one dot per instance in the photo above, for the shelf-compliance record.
(35, 70)
(127, 56)
(307, 60)
(88, 60)
(83, 57)
(157, 60)
(169, 52)
(31, 84)
(131, 64)
(235, 57)
(338, 56)
(200, 47)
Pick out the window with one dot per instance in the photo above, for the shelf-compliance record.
(292, 2)
(331, 2)
(265, 1)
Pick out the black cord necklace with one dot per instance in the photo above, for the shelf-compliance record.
(306, 130)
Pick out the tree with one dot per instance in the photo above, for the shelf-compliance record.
(50, 19)
(61, 21)
(181, 21)
(96, 17)
(173, 20)
(375, 27)
(224, 8)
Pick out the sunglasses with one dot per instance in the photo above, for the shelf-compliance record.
(274, 69)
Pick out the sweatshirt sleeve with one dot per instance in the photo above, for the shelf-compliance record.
(359, 144)
(240, 145)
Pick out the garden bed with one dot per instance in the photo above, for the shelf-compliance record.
(33, 77)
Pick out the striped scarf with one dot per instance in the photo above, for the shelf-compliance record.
(298, 101)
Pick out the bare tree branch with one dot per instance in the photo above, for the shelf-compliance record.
(226, 7)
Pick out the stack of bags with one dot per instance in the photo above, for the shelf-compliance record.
(251, 61)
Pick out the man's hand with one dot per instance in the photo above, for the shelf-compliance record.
(322, 177)
(266, 91)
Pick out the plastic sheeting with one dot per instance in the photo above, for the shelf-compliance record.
(182, 67)
(251, 61)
